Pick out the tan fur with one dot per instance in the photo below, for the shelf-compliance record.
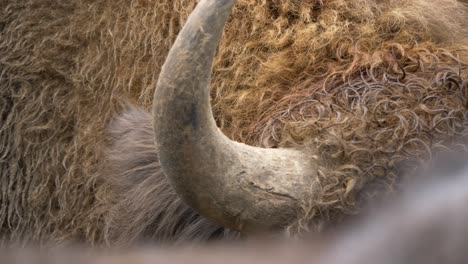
(342, 75)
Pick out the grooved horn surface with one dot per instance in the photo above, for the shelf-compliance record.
(241, 187)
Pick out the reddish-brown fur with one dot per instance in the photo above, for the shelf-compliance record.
(372, 85)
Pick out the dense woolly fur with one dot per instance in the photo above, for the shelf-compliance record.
(373, 85)
(147, 209)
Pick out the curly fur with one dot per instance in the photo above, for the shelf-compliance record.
(372, 84)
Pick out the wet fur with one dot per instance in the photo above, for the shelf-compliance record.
(341, 75)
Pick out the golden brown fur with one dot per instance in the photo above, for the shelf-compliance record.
(334, 73)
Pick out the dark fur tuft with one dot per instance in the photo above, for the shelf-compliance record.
(146, 207)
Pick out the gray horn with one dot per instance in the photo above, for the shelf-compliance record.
(241, 187)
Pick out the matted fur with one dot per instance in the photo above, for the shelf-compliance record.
(339, 74)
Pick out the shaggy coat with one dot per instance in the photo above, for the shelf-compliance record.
(373, 85)
(426, 225)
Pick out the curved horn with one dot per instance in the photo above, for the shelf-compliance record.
(242, 187)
